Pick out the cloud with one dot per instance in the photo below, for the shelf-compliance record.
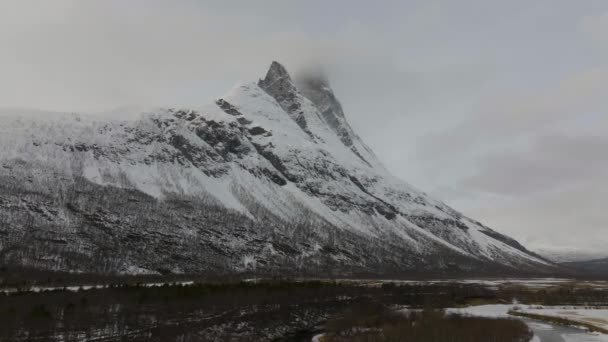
(534, 165)
(574, 217)
(596, 26)
(551, 163)
(100, 54)
(506, 116)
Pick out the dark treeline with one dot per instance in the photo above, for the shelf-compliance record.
(12, 276)
(204, 311)
(241, 311)
(568, 294)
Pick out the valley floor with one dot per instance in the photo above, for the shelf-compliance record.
(279, 310)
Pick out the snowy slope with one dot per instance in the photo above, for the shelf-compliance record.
(267, 177)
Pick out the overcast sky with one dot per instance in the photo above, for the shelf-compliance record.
(499, 108)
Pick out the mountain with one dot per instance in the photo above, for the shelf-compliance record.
(270, 177)
(596, 266)
(565, 255)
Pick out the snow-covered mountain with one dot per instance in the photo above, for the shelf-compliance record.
(269, 177)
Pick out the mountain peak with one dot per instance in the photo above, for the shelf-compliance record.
(277, 75)
(279, 85)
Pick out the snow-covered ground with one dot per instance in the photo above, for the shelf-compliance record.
(317, 338)
(546, 332)
(531, 282)
(490, 310)
(77, 288)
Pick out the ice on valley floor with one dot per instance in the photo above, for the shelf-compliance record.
(490, 310)
(588, 315)
(545, 331)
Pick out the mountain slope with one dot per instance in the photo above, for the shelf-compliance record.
(269, 177)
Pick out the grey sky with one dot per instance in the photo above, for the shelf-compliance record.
(499, 108)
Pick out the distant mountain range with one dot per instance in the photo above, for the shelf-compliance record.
(596, 266)
(563, 255)
(269, 178)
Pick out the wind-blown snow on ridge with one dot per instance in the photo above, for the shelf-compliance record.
(266, 177)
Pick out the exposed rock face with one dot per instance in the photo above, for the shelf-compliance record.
(279, 85)
(270, 177)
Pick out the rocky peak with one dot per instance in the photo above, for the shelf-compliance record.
(278, 83)
(277, 72)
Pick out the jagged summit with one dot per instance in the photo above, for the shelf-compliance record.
(313, 85)
(276, 73)
(279, 85)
